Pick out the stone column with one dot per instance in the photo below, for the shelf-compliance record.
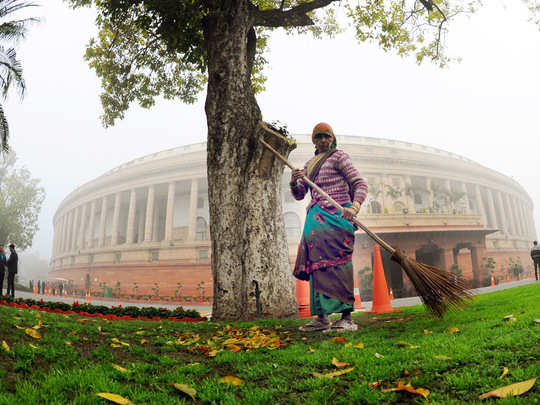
(69, 231)
(149, 215)
(62, 244)
(447, 258)
(504, 217)
(408, 199)
(477, 253)
(91, 224)
(491, 209)
(480, 204)
(116, 218)
(513, 224)
(430, 194)
(170, 211)
(55, 238)
(466, 198)
(519, 229)
(76, 215)
(522, 218)
(82, 227)
(140, 227)
(130, 231)
(193, 209)
(101, 235)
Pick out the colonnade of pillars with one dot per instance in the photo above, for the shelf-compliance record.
(498, 209)
(75, 229)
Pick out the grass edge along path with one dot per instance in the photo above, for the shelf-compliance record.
(456, 358)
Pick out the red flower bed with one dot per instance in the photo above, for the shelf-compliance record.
(110, 317)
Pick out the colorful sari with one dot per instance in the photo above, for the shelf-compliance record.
(325, 259)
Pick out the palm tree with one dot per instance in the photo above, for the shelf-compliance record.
(11, 31)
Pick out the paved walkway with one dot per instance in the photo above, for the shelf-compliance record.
(206, 310)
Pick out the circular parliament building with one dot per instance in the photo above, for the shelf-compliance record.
(142, 228)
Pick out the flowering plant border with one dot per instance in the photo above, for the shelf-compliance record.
(115, 313)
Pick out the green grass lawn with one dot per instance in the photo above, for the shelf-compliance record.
(72, 361)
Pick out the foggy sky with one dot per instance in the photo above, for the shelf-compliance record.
(486, 108)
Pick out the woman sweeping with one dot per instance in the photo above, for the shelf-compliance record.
(326, 248)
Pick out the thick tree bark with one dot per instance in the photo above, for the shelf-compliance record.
(252, 274)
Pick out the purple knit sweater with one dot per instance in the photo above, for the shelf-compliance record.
(338, 178)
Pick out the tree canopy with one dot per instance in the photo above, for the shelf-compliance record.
(21, 198)
(150, 48)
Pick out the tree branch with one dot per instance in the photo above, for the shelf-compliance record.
(295, 17)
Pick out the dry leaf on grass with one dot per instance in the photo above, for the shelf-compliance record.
(442, 357)
(5, 346)
(143, 341)
(505, 371)
(311, 349)
(115, 345)
(338, 339)
(452, 330)
(186, 389)
(32, 346)
(359, 346)
(82, 320)
(379, 356)
(427, 332)
(334, 373)
(33, 333)
(67, 342)
(119, 368)
(375, 384)
(38, 325)
(117, 399)
(231, 380)
(409, 388)
(512, 389)
(339, 364)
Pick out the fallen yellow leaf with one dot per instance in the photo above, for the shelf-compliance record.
(38, 325)
(304, 338)
(338, 339)
(452, 330)
(20, 327)
(33, 333)
(82, 320)
(117, 399)
(115, 345)
(442, 357)
(99, 328)
(334, 373)
(186, 389)
(140, 332)
(119, 368)
(427, 332)
(402, 343)
(231, 380)
(512, 389)
(311, 349)
(213, 353)
(32, 346)
(234, 348)
(143, 341)
(409, 388)
(379, 356)
(505, 371)
(5, 346)
(359, 346)
(339, 364)
(68, 342)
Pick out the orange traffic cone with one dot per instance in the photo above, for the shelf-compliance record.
(391, 294)
(34, 289)
(302, 296)
(492, 281)
(381, 300)
(357, 299)
(519, 276)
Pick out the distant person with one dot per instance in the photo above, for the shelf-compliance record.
(2, 266)
(12, 265)
(535, 254)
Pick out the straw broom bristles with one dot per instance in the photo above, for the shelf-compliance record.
(439, 290)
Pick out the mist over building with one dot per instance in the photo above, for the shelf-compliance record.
(145, 223)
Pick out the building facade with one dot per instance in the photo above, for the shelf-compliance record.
(143, 226)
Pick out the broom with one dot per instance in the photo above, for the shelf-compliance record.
(439, 290)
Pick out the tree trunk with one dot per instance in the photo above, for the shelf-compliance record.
(252, 274)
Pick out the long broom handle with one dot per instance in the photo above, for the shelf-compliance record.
(373, 236)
